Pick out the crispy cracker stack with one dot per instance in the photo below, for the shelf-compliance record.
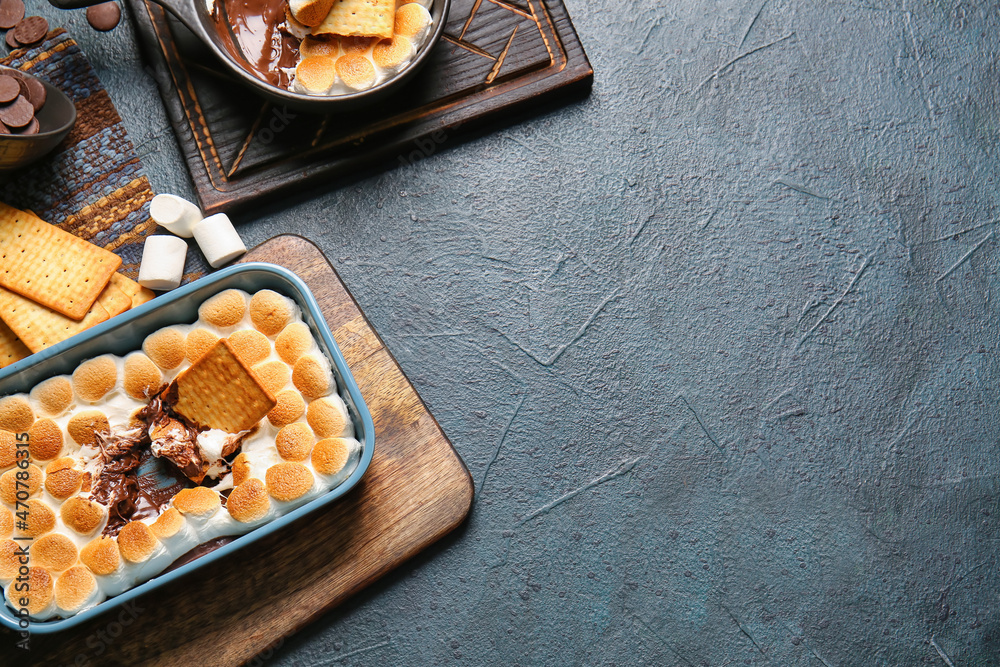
(54, 285)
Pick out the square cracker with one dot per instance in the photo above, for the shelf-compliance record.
(363, 18)
(220, 391)
(51, 266)
(39, 327)
(11, 347)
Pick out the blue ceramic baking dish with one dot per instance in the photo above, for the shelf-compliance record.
(126, 333)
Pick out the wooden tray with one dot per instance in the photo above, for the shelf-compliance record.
(416, 491)
(495, 57)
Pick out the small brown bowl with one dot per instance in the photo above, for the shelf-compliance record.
(55, 120)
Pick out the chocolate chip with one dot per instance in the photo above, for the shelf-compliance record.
(31, 30)
(31, 128)
(18, 113)
(11, 12)
(11, 42)
(104, 16)
(9, 89)
(36, 93)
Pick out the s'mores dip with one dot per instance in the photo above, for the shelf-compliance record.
(324, 47)
(110, 474)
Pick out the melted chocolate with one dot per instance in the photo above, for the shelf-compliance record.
(202, 549)
(251, 31)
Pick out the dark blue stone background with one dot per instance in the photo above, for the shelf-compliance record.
(718, 344)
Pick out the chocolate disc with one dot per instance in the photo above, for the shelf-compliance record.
(11, 12)
(104, 16)
(30, 30)
(11, 42)
(31, 128)
(18, 113)
(9, 89)
(3, 129)
(36, 92)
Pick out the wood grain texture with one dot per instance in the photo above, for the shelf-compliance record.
(494, 58)
(416, 491)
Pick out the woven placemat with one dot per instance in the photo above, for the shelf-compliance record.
(92, 185)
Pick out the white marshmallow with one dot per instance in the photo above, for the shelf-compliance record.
(178, 216)
(162, 266)
(218, 239)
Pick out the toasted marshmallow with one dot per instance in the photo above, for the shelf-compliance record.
(38, 591)
(356, 71)
(141, 378)
(248, 502)
(270, 312)
(293, 341)
(241, 468)
(45, 440)
(76, 588)
(224, 309)
(199, 341)
(357, 45)
(10, 559)
(41, 519)
(294, 442)
(83, 515)
(251, 346)
(328, 417)
(168, 524)
(288, 481)
(101, 555)
(62, 479)
(94, 378)
(165, 347)
(8, 449)
(9, 487)
(84, 426)
(294, 27)
(6, 523)
(273, 375)
(413, 21)
(16, 414)
(53, 396)
(391, 55)
(320, 46)
(198, 502)
(136, 542)
(289, 408)
(330, 455)
(310, 12)
(311, 376)
(314, 75)
(54, 551)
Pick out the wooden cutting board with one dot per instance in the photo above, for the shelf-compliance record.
(416, 491)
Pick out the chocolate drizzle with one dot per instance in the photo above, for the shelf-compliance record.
(254, 33)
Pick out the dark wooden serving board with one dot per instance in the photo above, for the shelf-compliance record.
(416, 491)
(496, 57)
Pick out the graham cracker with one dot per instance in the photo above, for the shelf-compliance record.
(39, 327)
(143, 296)
(136, 292)
(364, 18)
(50, 266)
(219, 391)
(11, 347)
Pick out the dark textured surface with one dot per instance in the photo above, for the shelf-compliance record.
(719, 344)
